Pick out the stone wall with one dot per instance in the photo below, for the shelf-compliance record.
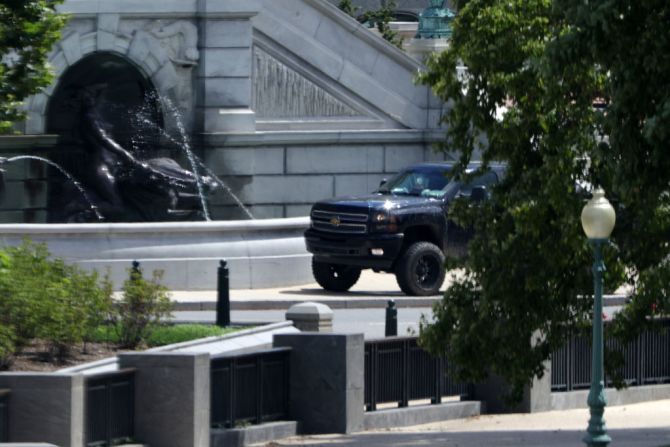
(283, 175)
(288, 101)
(24, 197)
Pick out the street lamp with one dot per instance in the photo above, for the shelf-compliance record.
(598, 220)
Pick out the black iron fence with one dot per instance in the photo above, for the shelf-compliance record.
(4, 415)
(250, 388)
(110, 408)
(646, 361)
(398, 370)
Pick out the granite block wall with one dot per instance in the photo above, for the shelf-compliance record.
(284, 180)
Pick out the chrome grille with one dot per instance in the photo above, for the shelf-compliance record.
(339, 222)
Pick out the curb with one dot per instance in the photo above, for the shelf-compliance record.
(363, 303)
(337, 303)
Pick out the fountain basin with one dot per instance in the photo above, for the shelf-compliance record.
(260, 253)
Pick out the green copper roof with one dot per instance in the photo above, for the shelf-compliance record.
(435, 21)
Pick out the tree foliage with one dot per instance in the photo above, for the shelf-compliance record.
(348, 7)
(379, 18)
(28, 30)
(534, 70)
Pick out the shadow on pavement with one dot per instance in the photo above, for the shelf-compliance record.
(349, 294)
(652, 437)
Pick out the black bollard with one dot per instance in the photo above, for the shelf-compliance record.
(135, 272)
(391, 320)
(223, 297)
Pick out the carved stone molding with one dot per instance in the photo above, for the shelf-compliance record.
(281, 92)
(179, 38)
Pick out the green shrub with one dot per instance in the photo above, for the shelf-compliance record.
(23, 280)
(77, 306)
(7, 346)
(45, 298)
(143, 306)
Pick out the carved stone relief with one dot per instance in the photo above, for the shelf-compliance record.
(281, 92)
(179, 39)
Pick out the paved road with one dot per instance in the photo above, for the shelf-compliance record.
(369, 321)
(638, 425)
(360, 309)
(372, 290)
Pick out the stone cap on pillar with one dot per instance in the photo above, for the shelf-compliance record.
(311, 316)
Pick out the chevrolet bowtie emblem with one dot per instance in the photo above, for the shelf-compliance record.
(335, 221)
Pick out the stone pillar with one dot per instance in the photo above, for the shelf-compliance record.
(46, 407)
(311, 317)
(420, 49)
(171, 398)
(327, 379)
(225, 68)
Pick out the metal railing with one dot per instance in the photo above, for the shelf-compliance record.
(4, 415)
(110, 408)
(398, 370)
(646, 361)
(250, 388)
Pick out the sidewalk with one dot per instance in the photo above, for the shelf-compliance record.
(372, 290)
(639, 425)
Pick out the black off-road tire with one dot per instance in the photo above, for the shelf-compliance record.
(420, 269)
(335, 277)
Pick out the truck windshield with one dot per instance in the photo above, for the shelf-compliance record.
(424, 181)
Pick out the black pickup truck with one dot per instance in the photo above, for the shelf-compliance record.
(401, 228)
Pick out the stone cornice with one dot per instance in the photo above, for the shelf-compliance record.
(224, 9)
(332, 12)
(314, 138)
(12, 143)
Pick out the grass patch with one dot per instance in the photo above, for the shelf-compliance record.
(166, 334)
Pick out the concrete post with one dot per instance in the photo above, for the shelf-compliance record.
(420, 49)
(311, 317)
(46, 407)
(327, 379)
(171, 398)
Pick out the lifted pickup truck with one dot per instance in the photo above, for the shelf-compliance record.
(401, 228)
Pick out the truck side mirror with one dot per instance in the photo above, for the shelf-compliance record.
(478, 194)
(383, 182)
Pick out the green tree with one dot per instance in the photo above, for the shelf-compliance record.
(348, 7)
(380, 18)
(28, 30)
(629, 40)
(534, 69)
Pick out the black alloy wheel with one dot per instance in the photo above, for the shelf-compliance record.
(420, 270)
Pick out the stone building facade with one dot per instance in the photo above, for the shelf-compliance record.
(287, 101)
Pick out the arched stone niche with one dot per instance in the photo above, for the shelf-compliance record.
(126, 100)
(163, 52)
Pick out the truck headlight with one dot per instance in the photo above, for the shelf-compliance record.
(380, 218)
(384, 222)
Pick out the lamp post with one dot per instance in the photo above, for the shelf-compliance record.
(598, 220)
